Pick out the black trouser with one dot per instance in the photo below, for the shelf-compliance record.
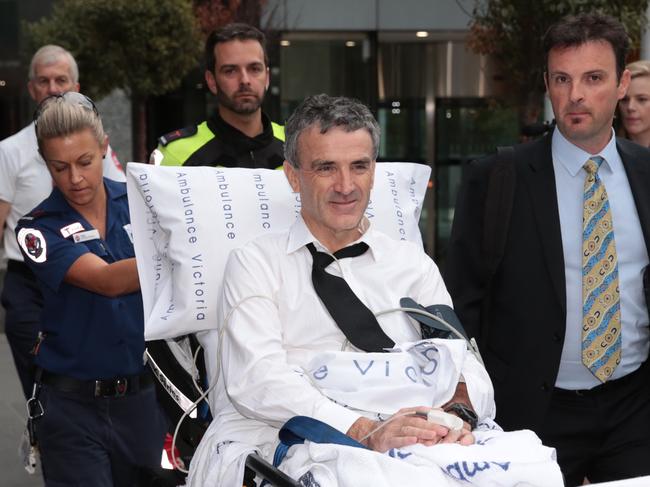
(98, 441)
(603, 433)
(23, 303)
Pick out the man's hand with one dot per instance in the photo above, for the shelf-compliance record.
(405, 428)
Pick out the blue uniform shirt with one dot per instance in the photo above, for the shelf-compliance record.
(87, 335)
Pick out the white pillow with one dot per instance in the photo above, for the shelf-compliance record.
(186, 220)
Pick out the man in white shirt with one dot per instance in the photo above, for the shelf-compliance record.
(275, 323)
(25, 182)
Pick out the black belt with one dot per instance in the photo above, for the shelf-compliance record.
(19, 267)
(117, 387)
(606, 386)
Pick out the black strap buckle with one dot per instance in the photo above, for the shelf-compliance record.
(111, 388)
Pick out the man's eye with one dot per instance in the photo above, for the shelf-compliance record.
(325, 170)
(360, 167)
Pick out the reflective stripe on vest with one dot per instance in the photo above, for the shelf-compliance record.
(178, 151)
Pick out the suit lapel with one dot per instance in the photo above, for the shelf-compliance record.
(538, 177)
(636, 161)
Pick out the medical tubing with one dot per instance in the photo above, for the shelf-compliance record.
(471, 343)
(194, 405)
(196, 370)
(383, 424)
(213, 380)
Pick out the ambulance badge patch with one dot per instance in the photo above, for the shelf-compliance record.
(33, 244)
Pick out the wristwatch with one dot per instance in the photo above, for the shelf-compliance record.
(464, 412)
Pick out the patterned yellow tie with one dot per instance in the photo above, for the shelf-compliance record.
(601, 310)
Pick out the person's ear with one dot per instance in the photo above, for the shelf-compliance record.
(624, 83)
(31, 89)
(211, 81)
(104, 146)
(292, 176)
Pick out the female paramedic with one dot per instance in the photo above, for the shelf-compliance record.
(100, 418)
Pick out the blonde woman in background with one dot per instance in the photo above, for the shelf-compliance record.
(635, 106)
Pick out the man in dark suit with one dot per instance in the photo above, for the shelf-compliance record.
(563, 323)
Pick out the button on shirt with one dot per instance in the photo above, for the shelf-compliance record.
(88, 336)
(276, 324)
(630, 248)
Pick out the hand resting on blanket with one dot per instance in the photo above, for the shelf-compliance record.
(406, 428)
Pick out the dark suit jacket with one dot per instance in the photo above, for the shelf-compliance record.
(521, 340)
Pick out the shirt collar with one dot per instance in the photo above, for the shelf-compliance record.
(57, 202)
(573, 158)
(300, 236)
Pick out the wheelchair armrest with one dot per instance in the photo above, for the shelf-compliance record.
(267, 471)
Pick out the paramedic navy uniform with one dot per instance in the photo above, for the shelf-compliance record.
(100, 409)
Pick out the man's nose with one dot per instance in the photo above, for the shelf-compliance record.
(577, 92)
(53, 88)
(344, 183)
(244, 77)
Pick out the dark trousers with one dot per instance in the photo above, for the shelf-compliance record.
(85, 440)
(23, 303)
(604, 433)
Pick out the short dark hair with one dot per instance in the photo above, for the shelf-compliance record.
(327, 112)
(232, 32)
(575, 30)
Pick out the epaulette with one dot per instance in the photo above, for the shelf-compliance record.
(34, 214)
(177, 134)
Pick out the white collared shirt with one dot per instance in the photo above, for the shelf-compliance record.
(269, 340)
(568, 161)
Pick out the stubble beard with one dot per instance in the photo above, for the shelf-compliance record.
(240, 107)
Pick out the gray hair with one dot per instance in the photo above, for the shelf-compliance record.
(59, 118)
(327, 112)
(50, 54)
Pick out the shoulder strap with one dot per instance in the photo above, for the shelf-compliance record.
(498, 208)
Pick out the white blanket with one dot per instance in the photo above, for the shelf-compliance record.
(497, 459)
(377, 385)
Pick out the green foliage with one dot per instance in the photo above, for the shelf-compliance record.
(142, 46)
(512, 31)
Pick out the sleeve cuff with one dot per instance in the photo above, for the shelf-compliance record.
(336, 416)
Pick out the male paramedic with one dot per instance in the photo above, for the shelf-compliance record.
(239, 133)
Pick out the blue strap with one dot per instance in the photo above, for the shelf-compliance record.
(301, 428)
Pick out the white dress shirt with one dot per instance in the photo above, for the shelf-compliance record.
(630, 249)
(275, 324)
(25, 180)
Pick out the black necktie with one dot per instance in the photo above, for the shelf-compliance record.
(354, 319)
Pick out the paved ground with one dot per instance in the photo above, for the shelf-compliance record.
(12, 424)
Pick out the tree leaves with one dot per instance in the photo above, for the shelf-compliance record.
(144, 47)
